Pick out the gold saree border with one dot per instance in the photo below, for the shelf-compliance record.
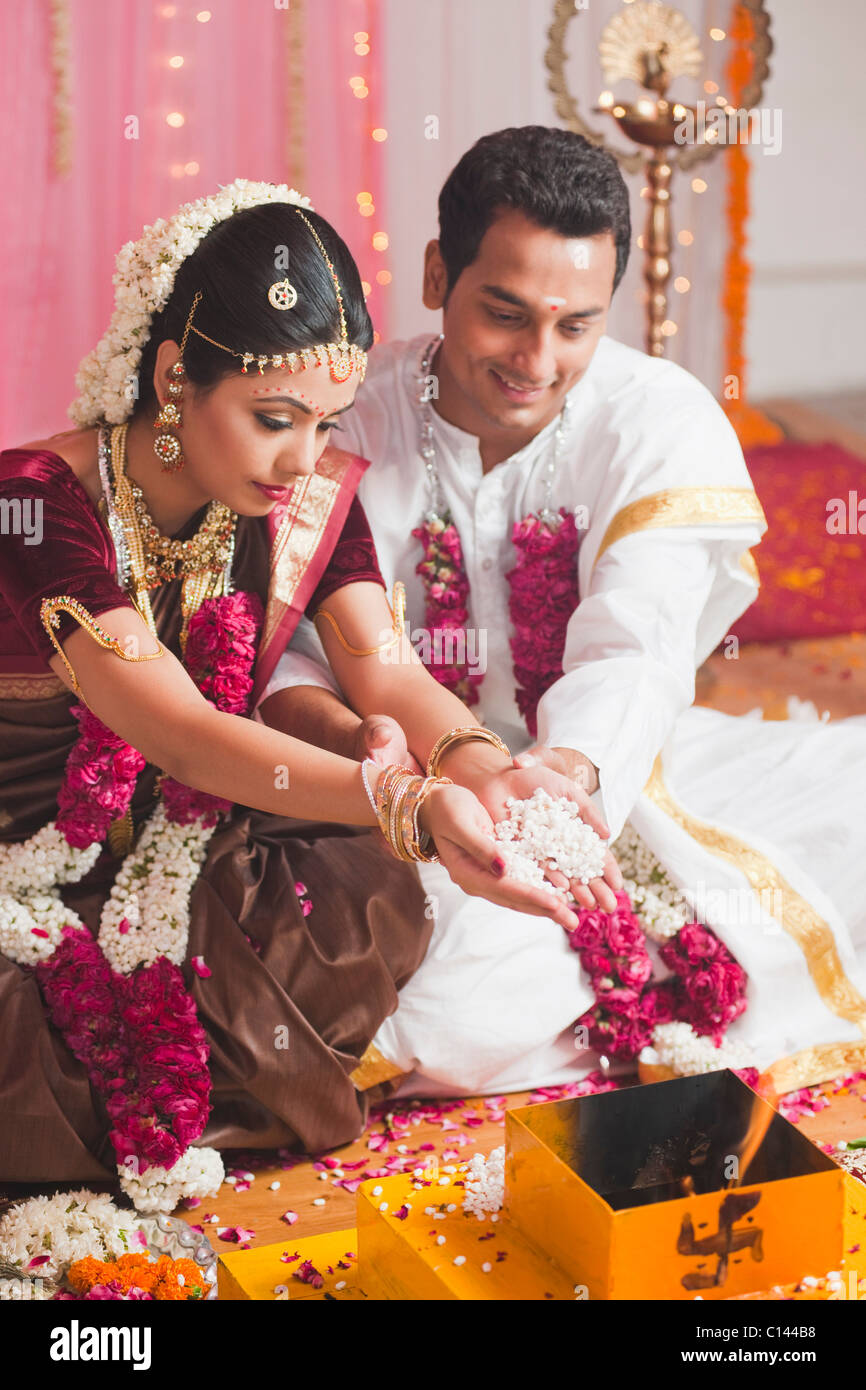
(824, 1062)
(374, 1068)
(798, 918)
(298, 537)
(684, 506)
(31, 686)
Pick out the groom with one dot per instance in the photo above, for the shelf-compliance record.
(532, 431)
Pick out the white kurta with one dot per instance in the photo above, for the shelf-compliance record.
(656, 475)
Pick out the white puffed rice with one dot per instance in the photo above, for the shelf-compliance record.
(484, 1190)
(547, 832)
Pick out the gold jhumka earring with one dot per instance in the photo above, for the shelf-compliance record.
(166, 444)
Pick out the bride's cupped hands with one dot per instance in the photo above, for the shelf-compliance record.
(461, 822)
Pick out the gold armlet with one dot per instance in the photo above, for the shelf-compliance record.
(49, 612)
(464, 735)
(397, 620)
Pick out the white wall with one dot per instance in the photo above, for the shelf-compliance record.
(808, 231)
(478, 65)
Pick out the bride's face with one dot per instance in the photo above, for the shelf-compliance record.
(250, 437)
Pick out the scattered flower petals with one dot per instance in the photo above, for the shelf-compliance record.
(308, 1274)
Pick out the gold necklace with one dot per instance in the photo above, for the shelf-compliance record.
(203, 562)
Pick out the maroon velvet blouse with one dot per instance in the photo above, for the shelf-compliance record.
(53, 542)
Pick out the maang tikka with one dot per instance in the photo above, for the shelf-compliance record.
(167, 445)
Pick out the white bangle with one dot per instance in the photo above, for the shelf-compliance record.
(367, 789)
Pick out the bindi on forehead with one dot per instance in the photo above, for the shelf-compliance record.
(299, 395)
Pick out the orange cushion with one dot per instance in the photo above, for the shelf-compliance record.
(812, 559)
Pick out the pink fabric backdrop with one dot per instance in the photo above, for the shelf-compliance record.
(60, 234)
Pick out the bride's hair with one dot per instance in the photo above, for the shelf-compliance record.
(234, 267)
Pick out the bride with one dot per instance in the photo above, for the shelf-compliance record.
(214, 961)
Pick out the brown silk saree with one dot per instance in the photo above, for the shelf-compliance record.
(293, 1000)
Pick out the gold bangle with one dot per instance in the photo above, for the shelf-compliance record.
(386, 789)
(399, 796)
(463, 735)
(423, 839)
(49, 612)
(397, 621)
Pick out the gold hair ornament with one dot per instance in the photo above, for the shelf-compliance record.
(343, 357)
(283, 295)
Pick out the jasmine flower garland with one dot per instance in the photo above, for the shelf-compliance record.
(43, 1235)
(143, 280)
(121, 1000)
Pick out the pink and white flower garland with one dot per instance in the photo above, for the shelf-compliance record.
(121, 1000)
(684, 1017)
(446, 590)
(543, 596)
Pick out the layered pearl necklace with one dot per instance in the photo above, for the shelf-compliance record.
(546, 542)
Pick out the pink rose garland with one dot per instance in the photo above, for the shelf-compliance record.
(138, 1035)
(447, 590)
(707, 988)
(543, 596)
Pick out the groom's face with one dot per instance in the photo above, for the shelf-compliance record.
(521, 322)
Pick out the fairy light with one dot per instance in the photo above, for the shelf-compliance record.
(717, 35)
(606, 99)
(699, 186)
(175, 119)
(682, 285)
(176, 171)
(685, 238)
(168, 11)
(176, 62)
(619, 110)
(669, 328)
(640, 242)
(379, 241)
(204, 16)
(710, 87)
(192, 167)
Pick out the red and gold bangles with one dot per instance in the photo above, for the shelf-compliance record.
(399, 795)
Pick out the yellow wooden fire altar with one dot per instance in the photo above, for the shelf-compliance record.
(689, 1188)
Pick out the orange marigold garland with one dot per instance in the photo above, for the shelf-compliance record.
(752, 426)
(137, 1276)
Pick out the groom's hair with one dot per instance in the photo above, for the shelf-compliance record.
(554, 177)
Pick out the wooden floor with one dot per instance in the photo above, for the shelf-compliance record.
(424, 1130)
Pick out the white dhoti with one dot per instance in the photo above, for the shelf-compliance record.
(760, 824)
